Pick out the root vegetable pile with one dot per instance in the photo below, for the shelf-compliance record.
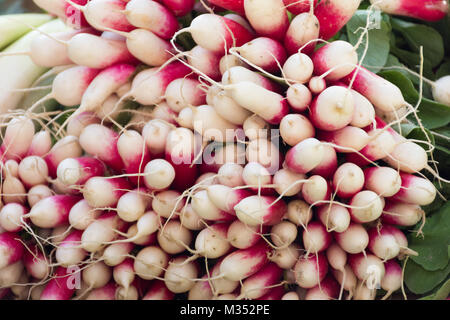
(259, 165)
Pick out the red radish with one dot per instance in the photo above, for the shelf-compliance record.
(107, 292)
(158, 291)
(288, 183)
(315, 190)
(36, 263)
(149, 86)
(287, 257)
(373, 87)
(151, 15)
(316, 85)
(245, 262)
(13, 191)
(327, 167)
(402, 214)
(69, 253)
(212, 242)
(415, 190)
(327, 290)
(211, 125)
(346, 279)
(67, 147)
(283, 234)
(353, 240)
(233, 5)
(368, 268)
(123, 273)
(303, 30)
(75, 18)
(131, 205)
(159, 174)
(433, 10)
(180, 274)
(240, 74)
(298, 68)
(392, 280)
(76, 171)
(299, 6)
(400, 238)
(77, 124)
(182, 93)
(269, 105)
(310, 270)
(364, 114)
(101, 231)
(41, 144)
(127, 294)
(52, 211)
(348, 180)
(256, 127)
(384, 181)
(335, 217)
(265, 152)
(102, 192)
(116, 253)
(346, 140)
(337, 258)
(230, 175)
(440, 91)
(96, 275)
(299, 212)
(259, 284)
(257, 14)
(11, 217)
(408, 157)
(366, 206)
(168, 203)
(173, 237)
(229, 110)
(190, 219)
(155, 135)
(225, 198)
(362, 292)
(55, 8)
(260, 210)
(205, 62)
(205, 208)
(11, 249)
(230, 61)
(217, 33)
(333, 15)
(274, 294)
(242, 236)
(291, 296)
(383, 244)
(179, 7)
(17, 138)
(299, 97)
(305, 155)
(82, 215)
(61, 286)
(332, 109)
(295, 128)
(316, 237)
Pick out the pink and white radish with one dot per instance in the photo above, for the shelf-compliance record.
(433, 10)
(158, 291)
(384, 181)
(61, 286)
(230, 175)
(353, 240)
(173, 238)
(283, 234)
(392, 280)
(288, 183)
(212, 242)
(303, 28)
(225, 198)
(155, 134)
(182, 93)
(327, 167)
(415, 190)
(327, 290)
(103, 192)
(402, 214)
(348, 180)
(150, 262)
(67, 147)
(101, 231)
(259, 284)
(257, 14)
(334, 217)
(316, 238)
(180, 274)
(366, 206)
(305, 155)
(287, 257)
(53, 211)
(12, 217)
(76, 171)
(205, 208)
(77, 124)
(12, 249)
(36, 263)
(346, 140)
(260, 210)
(69, 252)
(316, 189)
(299, 212)
(168, 204)
(310, 270)
(17, 138)
(299, 97)
(116, 253)
(294, 128)
(81, 215)
(179, 7)
(205, 62)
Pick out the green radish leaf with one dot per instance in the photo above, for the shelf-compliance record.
(433, 114)
(433, 246)
(443, 27)
(421, 281)
(418, 35)
(443, 292)
(378, 38)
(444, 70)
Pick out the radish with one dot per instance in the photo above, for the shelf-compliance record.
(346, 140)
(230, 175)
(211, 126)
(264, 152)
(327, 167)
(415, 190)
(383, 244)
(40, 144)
(433, 10)
(116, 253)
(212, 242)
(392, 280)
(217, 33)
(232, 5)
(384, 181)
(10, 275)
(158, 291)
(283, 234)
(17, 138)
(205, 62)
(67, 147)
(299, 6)
(229, 110)
(133, 151)
(100, 232)
(243, 263)
(256, 127)
(327, 290)
(179, 7)
(13, 191)
(11, 217)
(353, 240)
(215, 154)
(315, 190)
(299, 212)
(127, 294)
(334, 217)
(243, 236)
(316, 238)
(81, 215)
(408, 157)
(303, 31)
(75, 18)
(61, 286)
(316, 85)
(368, 268)
(225, 198)
(402, 214)
(440, 91)
(298, 68)
(155, 134)
(173, 237)
(230, 61)
(287, 257)
(299, 97)
(240, 74)
(53, 211)
(190, 219)
(96, 275)
(260, 210)
(263, 52)
(366, 206)
(294, 128)
(373, 87)
(182, 93)
(123, 273)
(76, 171)
(141, 233)
(291, 296)
(305, 155)
(333, 15)
(310, 270)
(69, 253)
(158, 174)
(36, 263)
(58, 234)
(347, 280)
(180, 274)
(274, 294)
(257, 14)
(102, 192)
(288, 183)
(259, 284)
(131, 205)
(168, 203)
(107, 292)
(77, 124)
(348, 180)
(364, 114)
(337, 258)
(151, 15)
(11, 249)
(205, 208)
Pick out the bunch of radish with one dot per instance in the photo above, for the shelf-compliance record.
(257, 167)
